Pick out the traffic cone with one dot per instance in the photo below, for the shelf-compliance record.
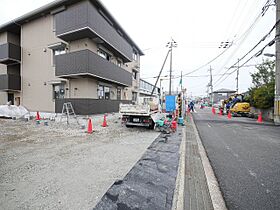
(173, 125)
(89, 130)
(221, 112)
(229, 115)
(260, 118)
(38, 116)
(104, 124)
(213, 110)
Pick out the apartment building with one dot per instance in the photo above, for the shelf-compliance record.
(68, 51)
(146, 88)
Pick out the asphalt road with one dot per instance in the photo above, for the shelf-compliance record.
(245, 156)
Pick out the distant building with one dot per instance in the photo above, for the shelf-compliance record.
(146, 89)
(222, 94)
(68, 51)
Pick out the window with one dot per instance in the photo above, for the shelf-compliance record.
(58, 52)
(54, 24)
(134, 74)
(107, 92)
(135, 56)
(119, 63)
(103, 92)
(103, 54)
(119, 94)
(58, 91)
(100, 91)
(134, 96)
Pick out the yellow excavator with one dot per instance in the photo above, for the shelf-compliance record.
(236, 105)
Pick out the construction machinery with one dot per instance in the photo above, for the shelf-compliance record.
(236, 105)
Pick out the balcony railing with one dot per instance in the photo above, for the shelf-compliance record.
(87, 63)
(10, 82)
(84, 21)
(9, 53)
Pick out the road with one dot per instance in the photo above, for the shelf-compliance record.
(245, 156)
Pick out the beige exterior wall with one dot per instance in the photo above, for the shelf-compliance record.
(3, 97)
(37, 69)
(82, 44)
(3, 69)
(83, 88)
(3, 38)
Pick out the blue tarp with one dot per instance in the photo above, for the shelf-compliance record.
(170, 102)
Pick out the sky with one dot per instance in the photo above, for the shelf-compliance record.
(198, 27)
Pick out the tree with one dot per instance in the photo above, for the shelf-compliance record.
(265, 73)
(261, 95)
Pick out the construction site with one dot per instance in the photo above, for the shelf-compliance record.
(49, 164)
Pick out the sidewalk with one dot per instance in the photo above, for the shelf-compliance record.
(197, 195)
(198, 189)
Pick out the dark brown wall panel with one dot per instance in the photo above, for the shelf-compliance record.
(85, 106)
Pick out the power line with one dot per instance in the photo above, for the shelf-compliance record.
(245, 35)
(206, 64)
(255, 55)
(232, 66)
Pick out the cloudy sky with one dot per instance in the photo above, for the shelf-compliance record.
(198, 27)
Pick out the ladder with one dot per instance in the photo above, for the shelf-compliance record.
(68, 110)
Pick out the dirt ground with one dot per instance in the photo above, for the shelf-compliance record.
(62, 167)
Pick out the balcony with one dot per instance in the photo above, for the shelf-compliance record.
(86, 63)
(85, 21)
(9, 54)
(10, 82)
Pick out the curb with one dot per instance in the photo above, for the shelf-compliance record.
(178, 198)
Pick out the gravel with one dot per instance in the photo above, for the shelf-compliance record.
(60, 166)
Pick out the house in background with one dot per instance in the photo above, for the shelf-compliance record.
(146, 88)
(68, 51)
(222, 94)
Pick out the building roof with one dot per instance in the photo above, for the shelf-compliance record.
(224, 90)
(14, 25)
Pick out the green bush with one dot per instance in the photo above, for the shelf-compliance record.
(262, 94)
(263, 97)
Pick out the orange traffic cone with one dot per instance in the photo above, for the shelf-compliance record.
(173, 125)
(260, 118)
(104, 124)
(229, 115)
(89, 130)
(221, 112)
(38, 116)
(213, 110)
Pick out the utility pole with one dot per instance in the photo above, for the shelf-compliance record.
(277, 68)
(181, 81)
(171, 44)
(170, 75)
(207, 91)
(158, 77)
(237, 76)
(211, 86)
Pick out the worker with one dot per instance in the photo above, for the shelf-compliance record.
(191, 106)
